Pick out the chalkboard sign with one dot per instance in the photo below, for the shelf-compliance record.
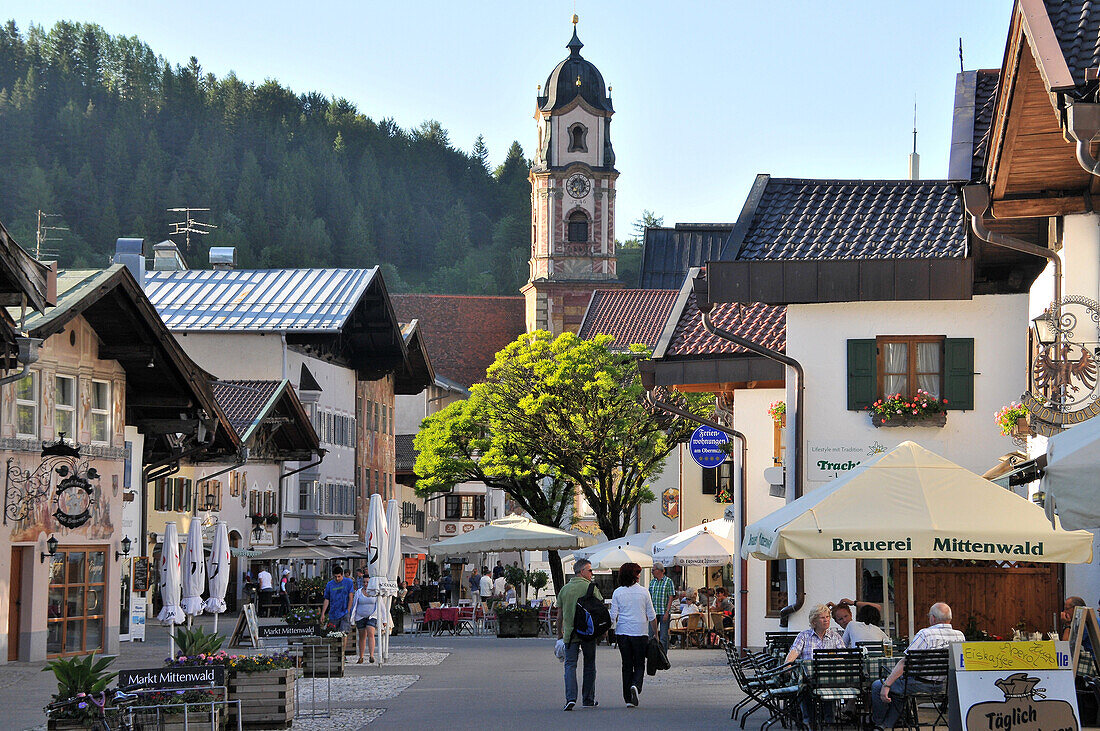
(141, 574)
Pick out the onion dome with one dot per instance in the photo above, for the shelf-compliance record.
(575, 77)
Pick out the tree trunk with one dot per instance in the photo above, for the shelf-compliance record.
(557, 574)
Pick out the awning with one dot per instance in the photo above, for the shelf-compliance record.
(1073, 461)
(513, 533)
(411, 546)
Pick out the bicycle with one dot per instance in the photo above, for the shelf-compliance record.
(120, 699)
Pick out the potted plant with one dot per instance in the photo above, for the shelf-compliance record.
(537, 580)
(778, 412)
(924, 409)
(515, 620)
(517, 577)
(302, 616)
(1013, 420)
(77, 678)
(263, 683)
(194, 642)
(272, 519)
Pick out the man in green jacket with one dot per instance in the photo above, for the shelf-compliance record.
(574, 646)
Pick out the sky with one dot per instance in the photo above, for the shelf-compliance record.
(706, 94)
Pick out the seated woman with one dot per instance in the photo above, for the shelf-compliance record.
(509, 594)
(864, 628)
(687, 603)
(724, 605)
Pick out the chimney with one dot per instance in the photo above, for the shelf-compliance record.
(223, 257)
(131, 254)
(167, 257)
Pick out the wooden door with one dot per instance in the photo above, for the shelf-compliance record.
(15, 600)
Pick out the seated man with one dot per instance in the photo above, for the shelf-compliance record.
(888, 696)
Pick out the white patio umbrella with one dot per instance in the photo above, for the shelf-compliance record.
(392, 556)
(1069, 478)
(169, 585)
(643, 541)
(377, 563)
(513, 533)
(217, 571)
(912, 503)
(698, 549)
(193, 572)
(615, 556)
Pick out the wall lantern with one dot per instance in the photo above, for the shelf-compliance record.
(1045, 332)
(126, 543)
(51, 549)
(257, 533)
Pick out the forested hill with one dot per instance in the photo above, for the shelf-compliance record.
(103, 131)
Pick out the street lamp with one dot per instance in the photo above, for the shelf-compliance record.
(1045, 331)
(257, 533)
(51, 549)
(126, 543)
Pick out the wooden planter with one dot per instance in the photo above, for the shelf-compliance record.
(196, 721)
(513, 624)
(65, 724)
(928, 420)
(322, 657)
(267, 698)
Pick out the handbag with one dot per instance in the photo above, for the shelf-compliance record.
(655, 657)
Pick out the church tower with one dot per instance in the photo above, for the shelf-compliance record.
(572, 196)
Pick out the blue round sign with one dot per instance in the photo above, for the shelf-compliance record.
(708, 447)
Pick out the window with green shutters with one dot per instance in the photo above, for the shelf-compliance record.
(886, 365)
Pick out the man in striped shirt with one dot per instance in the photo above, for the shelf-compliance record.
(662, 591)
(888, 696)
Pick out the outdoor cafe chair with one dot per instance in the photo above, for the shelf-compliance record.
(434, 605)
(690, 630)
(419, 624)
(779, 643)
(928, 667)
(779, 690)
(837, 677)
(547, 616)
(467, 621)
(745, 666)
(488, 618)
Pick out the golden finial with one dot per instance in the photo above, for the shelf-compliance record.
(609, 91)
(578, 79)
(575, 18)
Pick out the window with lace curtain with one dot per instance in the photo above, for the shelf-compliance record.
(907, 364)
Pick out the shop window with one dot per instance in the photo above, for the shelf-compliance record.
(910, 364)
(75, 605)
(64, 407)
(578, 135)
(26, 405)
(464, 507)
(578, 227)
(944, 367)
(776, 574)
(718, 479)
(100, 426)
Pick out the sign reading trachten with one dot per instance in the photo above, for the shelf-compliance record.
(828, 460)
(708, 447)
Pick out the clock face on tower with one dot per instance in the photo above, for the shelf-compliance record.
(578, 186)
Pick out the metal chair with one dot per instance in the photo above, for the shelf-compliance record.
(466, 620)
(780, 691)
(837, 677)
(927, 667)
(416, 613)
(488, 618)
(779, 643)
(690, 630)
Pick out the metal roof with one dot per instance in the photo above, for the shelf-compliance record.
(266, 300)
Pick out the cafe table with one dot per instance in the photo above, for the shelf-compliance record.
(444, 619)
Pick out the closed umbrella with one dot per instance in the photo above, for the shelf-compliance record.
(393, 563)
(217, 571)
(377, 560)
(169, 585)
(193, 572)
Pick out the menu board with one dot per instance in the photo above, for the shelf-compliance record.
(140, 574)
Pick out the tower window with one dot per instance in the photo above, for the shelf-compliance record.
(578, 227)
(577, 138)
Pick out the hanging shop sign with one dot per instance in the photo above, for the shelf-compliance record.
(1064, 376)
(61, 478)
(708, 447)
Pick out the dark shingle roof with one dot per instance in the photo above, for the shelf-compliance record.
(462, 334)
(670, 252)
(855, 219)
(628, 315)
(1076, 23)
(405, 458)
(763, 324)
(985, 96)
(244, 401)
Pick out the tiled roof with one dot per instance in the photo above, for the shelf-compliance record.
(763, 324)
(270, 300)
(463, 333)
(855, 219)
(244, 401)
(985, 96)
(670, 252)
(1076, 24)
(405, 459)
(628, 315)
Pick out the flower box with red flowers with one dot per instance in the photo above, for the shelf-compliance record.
(923, 409)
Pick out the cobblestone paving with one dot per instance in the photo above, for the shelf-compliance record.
(353, 688)
(340, 720)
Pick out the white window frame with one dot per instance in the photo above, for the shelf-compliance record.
(104, 412)
(31, 403)
(69, 409)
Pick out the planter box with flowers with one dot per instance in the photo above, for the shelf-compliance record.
(924, 409)
(322, 657)
(517, 621)
(263, 683)
(1013, 421)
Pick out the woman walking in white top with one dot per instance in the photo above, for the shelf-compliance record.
(633, 614)
(363, 610)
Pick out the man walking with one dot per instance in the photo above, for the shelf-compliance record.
(339, 592)
(475, 586)
(888, 696)
(574, 647)
(662, 591)
(486, 585)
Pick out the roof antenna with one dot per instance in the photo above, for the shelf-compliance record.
(961, 67)
(914, 158)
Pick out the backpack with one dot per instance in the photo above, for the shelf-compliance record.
(591, 619)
